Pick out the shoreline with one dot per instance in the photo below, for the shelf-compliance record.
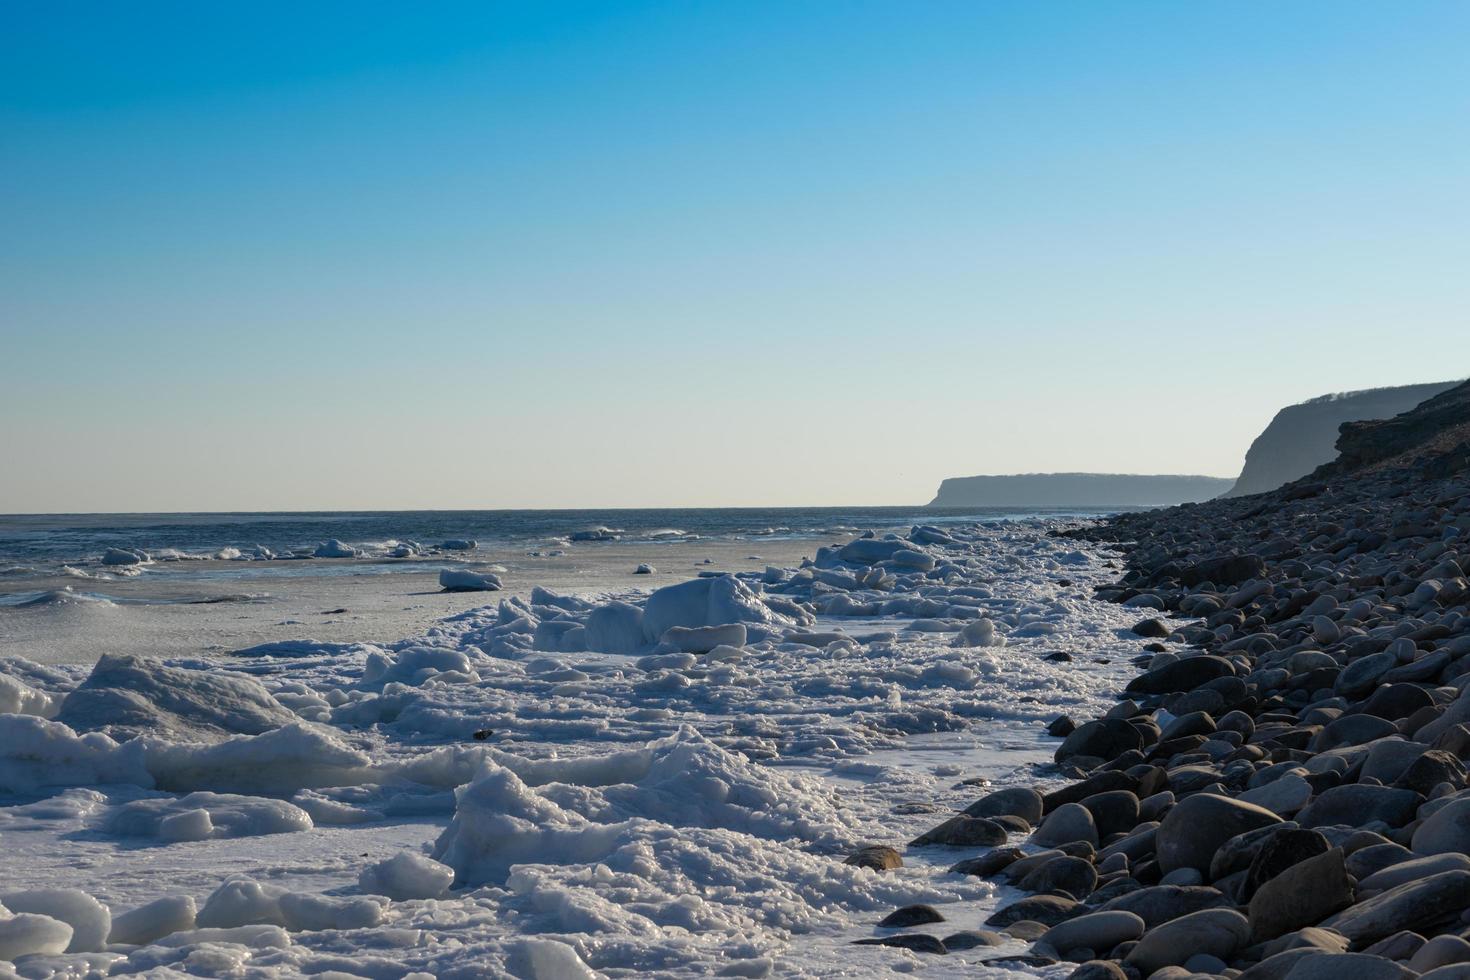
(1282, 791)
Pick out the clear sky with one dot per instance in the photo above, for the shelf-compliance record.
(357, 255)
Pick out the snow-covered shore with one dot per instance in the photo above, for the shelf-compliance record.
(556, 782)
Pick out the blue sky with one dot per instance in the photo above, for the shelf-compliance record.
(548, 254)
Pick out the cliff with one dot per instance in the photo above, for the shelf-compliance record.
(1302, 437)
(1099, 491)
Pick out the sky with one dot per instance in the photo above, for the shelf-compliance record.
(295, 256)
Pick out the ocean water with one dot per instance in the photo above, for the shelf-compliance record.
(44, 542)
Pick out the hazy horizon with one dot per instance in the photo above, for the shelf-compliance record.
(573, 256)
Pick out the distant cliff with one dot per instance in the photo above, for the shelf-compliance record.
(1302, 437)
(1086, 490)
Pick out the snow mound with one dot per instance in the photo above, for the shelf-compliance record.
(124, 556)
(206, 816)
(684, 780)
(128, 696)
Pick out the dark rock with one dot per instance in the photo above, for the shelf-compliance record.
(1072, 876)
(1196, 827)
(1279, 852)
(1046, 909)
(1181, 675)
(1061, 727)
(911, 915)
(963, 831)
(916, 941)
(879, 857)
(1160, 903)
(972, 939)
(1019, 801)
(992, 862)
(1417, 905)
(1301, 895)
(1357, 804)
(1105, 738)
(1113, 812)
(1151, 627)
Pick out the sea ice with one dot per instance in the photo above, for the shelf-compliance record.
(406, 876)
(459, 580)
(151, 922)
(335, 549)
(89, 919)
(127, 696)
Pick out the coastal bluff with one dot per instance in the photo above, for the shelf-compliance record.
(1302, 437)
(1089, 490)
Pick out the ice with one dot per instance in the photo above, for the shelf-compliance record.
(151, 922)
(459, 580)
(406, 876)
(614, 797)
(336, 549)
(242, 901)
(684, 780)
(595, 534)
(459, 544)
(704, 602)
(27, 934)
(616, 627)
(89, 919)
(278, 762)
(36, 753)
(127, 696)
(205, 815)
(547, 959)
(19, 698)
(124, 556)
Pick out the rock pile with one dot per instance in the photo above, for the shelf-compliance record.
(1282, 792)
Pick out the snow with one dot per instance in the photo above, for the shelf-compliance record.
(610, 782)
(335, 549)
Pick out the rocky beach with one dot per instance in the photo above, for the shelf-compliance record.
(1281, 792)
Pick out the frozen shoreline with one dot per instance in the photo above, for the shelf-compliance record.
(818, 748)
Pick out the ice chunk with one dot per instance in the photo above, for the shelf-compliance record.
(153, 921)
(405, 876)
(580, 808)
(547, 959)
(243, 901)
(644, 568)
(128, 695)
(459, 544)
(124, 556)
(595, 534)
(89, 919)
(19, 698)
(335, 549)
(704, 602)
(279, 762)
(703, 639)
(979, 633)
(36, 753)
(27, 934)
(412, 666)
(616, 627)
(870, 551)
(206, 816)
(459, 580)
